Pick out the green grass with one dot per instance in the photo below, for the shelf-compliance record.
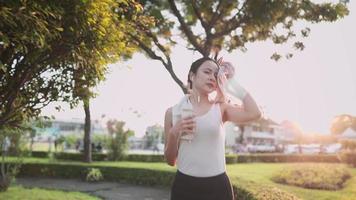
(41, 146)
(314, 176)
(20, 193)
(262, 172)
(244, 173)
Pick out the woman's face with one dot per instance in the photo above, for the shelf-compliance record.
(204, 80)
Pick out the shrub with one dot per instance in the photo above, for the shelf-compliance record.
(79, 156)
(118, 143)
(242, 190)
(39, 154)
(348, 158)
(246, 158)
(348, 153)
(314, 176)
(94, 175)
(249, 190)
(230, 159)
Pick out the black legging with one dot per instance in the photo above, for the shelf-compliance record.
(187, 187)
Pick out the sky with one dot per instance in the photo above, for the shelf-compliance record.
(310, 89)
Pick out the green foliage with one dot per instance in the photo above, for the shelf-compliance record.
(314, 176)
(11, 143)
(94, 175)
(103, 139)
(341, 122)
(349, 158)
(79, 156)
(133, 175)
(39, 154)
(118, 144)
(348, 153)
(208, 26)
(255, 176)
(71, 140)
(287, 158)
(54, 51)
(348, 144)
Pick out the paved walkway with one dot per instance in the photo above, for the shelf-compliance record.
(104, 190)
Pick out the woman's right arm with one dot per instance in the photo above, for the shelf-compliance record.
(170, 139)
(172, 135)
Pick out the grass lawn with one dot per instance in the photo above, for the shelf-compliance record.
(20, 193)
(241, 173)
(262, 172)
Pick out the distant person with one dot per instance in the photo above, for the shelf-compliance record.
(93, 146)
(155, 148)
(196, 143)
(77, 145)
(99, 147)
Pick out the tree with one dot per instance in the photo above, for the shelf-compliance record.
(51, 51)
(209, 25)
(35, 127)
(341, 122)
(118, 143)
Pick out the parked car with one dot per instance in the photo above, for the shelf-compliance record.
(260, 148)
(333, 148)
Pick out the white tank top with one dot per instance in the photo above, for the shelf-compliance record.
(204, 156)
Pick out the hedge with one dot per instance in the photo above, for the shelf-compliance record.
(39, 154)
(330, 158)
(79, 156)
(130, 175)
(230, 159)
(242, 190)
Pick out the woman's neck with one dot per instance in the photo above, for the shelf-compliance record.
(199, 99)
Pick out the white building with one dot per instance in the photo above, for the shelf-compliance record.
(349, 133)
(258, 135)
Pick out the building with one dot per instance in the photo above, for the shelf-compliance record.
(259, 135)
(68, 127)
(349, 133)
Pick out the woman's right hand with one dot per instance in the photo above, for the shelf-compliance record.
(185, 125)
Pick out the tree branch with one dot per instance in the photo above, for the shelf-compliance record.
(198, 14)
(216, 15)
(232, 23)
(149, 34)
(168, 65)
(191, 37)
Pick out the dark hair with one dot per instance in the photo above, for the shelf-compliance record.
(195, 66)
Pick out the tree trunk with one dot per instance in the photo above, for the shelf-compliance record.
(87, 130)
(242, 136)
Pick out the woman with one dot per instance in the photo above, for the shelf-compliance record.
(201, 173)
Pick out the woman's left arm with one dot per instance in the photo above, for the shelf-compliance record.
(249, 112)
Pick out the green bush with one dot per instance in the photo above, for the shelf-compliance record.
(145, 158)
(94, 175)
(248, 190)
(348, 158)
(230, 159)
(313, 176)
(348, 153)
(246, 158)
(79, 156)
(39, 154)
(122, 174)
(242, 190)
(267, 193)
(348, 144)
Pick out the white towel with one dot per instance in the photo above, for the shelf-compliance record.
(177, 109)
